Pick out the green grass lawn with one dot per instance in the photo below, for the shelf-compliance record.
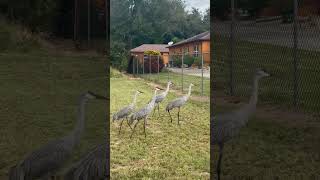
(169, 151)
(177, 80)
(279, 62)
(271, 147)
(40, 94)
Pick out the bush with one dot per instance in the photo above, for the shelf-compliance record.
(197, 61)
(188, 60)
(17, 38)
(176, 61)
(115, 73)
(154, 65)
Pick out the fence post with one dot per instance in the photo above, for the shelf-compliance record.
(182, 71)
(143, 65)
(295, 55)
(137, 66)
(169, 66)
(202, 74)
(158, 68)
(89, 23)
(150, 67)
(232, 47)
(133, 66)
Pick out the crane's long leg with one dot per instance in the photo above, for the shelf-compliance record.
(128, 123)
(120, 126)
(133, 129)
(144, 127)
(170, 116)
(178, 115)
(159, 110)
(219, 161)
(154, 110)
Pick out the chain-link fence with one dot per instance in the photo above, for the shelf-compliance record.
(88, 25)
(181, 69)
(287, 45)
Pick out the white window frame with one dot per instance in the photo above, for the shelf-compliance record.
(196, 50)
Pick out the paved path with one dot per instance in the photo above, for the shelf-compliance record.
(192, 71)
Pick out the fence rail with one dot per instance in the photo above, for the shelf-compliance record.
(181, 69)
(288, 50)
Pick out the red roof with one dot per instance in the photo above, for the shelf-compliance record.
(151, 47)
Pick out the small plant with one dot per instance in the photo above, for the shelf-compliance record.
(188, 60)
(197, 62)
(176, 61)
(152, 57)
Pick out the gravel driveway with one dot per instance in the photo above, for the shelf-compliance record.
(192, 71)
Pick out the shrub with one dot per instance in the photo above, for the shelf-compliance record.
(197, 61)
(176, 61)
(188, 60)
(154, 64)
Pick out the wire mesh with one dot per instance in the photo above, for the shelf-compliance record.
(181, 69)
(287, 46)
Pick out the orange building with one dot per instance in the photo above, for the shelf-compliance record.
(196, 46)
(162, 48)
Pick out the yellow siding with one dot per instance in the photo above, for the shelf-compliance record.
(165, 57)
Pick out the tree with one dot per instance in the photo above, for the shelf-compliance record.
(221, 8)
(136, 22)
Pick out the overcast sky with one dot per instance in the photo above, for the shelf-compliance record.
(202, 5)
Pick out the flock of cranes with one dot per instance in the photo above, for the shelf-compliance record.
(44, 162)
(144, 112)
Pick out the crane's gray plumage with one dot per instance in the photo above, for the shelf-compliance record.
(91, 167)
(160, 97)
(228, 125)
(50, 157)
(179, 102)
(144, 112)
(126, 111)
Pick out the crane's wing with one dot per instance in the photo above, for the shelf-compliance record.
(224, 127)
(46, 159)
(124, 112)
(92, 166)
(176, 103)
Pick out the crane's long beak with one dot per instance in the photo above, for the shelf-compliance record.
(99, 96)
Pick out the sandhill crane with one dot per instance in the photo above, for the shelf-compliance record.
(162, 96)
(144, 113)
(126, 111)
(178, 103)
(48, 158)
(92, 166)
(228, 125)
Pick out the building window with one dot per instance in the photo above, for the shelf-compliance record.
(185, 51)
(196, 50)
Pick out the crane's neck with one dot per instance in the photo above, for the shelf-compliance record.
(153, 100)
(167, 90)
(189, 92)
(254, 96)
(248, 110)
(78, 129)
